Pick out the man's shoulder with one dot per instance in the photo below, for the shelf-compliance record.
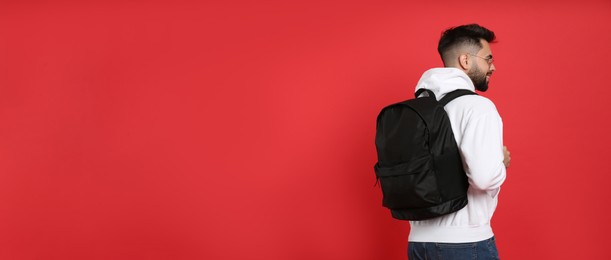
(474, 104)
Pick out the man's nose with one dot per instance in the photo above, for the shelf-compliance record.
(492, 67)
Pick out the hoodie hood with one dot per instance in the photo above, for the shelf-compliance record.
(444, 80)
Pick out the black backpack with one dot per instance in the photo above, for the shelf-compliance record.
(419, 167)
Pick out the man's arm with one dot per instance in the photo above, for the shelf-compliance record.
(483, 151)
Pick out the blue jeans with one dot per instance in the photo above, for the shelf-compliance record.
(453, 251)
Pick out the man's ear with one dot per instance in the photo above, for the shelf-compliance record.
(463, 62)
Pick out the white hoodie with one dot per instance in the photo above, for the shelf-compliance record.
(478, 130)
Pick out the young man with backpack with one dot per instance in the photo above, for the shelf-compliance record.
(441, 159)
(478, 131)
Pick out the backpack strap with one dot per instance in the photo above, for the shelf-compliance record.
(420, 91)
(454, 94)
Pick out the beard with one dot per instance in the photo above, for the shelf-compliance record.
(479, 79)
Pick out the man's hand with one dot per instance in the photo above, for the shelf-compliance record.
(507, 158)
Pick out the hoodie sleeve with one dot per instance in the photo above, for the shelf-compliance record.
(482, 149)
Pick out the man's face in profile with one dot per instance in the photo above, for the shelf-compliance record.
(483, 67)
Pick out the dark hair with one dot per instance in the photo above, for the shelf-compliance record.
(469, 34)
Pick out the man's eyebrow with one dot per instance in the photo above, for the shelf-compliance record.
(489, 56)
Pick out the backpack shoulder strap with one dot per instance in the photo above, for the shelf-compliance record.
(454, 94)
(422, 90)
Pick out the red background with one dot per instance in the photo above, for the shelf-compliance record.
(243, 130)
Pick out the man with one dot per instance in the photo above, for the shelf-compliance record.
(478, 129)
